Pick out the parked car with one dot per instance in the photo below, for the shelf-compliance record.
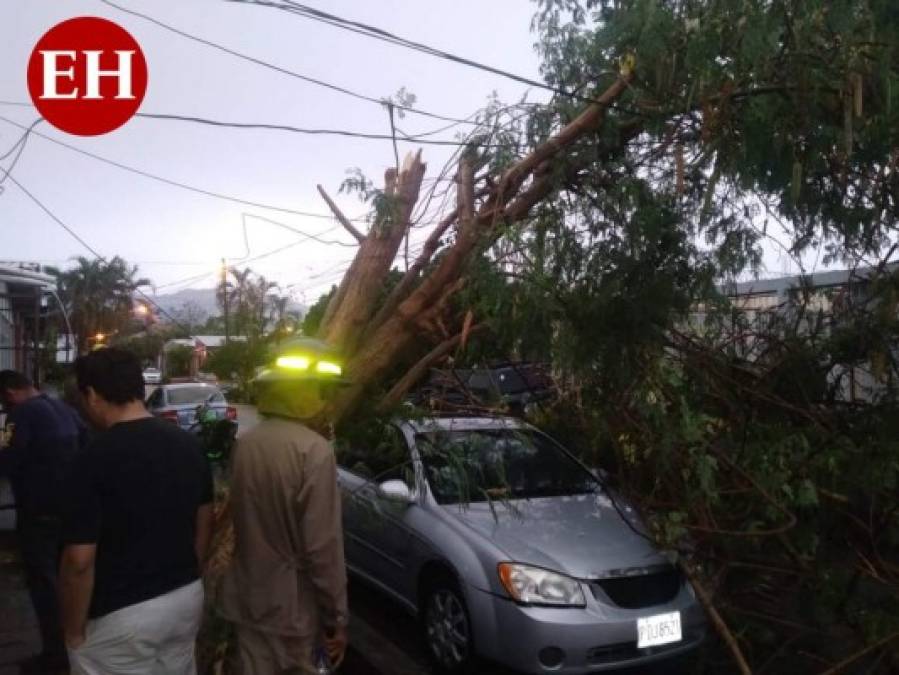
(179, 402)
(515, 385)
(508, 549)
(152, 376)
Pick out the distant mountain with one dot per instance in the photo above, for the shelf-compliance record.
(203, 300)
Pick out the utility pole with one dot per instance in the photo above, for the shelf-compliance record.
(225, 302)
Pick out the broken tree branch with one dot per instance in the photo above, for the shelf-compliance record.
(592, 118)
(350, 311)
(465, 196)
(401, 290)
(717, 621)
(342, 219)
(867, 650)
(388, 340)
(414, 374)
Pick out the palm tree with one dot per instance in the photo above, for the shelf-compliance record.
(278, 309)
(98, 296)
(239, 298)
(256, 300)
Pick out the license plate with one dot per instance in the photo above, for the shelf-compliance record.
(661, 629)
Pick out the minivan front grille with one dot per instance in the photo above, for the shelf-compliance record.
(639, 591)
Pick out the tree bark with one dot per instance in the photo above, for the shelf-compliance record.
(342, 219)
(386, 342)
(353, 305)
(414, 374)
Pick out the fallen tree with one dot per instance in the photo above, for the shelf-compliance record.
(679, 133)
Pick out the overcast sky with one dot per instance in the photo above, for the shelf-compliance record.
(174, 234)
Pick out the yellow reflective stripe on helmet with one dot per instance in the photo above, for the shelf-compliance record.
(293, 362)
(328, 368)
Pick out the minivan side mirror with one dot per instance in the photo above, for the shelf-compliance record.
(396, 491)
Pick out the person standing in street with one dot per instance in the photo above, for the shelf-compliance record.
(286, 588)
(37, 446)
(139, 520)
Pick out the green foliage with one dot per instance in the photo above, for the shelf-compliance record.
(147, 346)
(177, 361)
(98, 297)
(316, 313)
(251, 303)
(237, 361)
(787, 103)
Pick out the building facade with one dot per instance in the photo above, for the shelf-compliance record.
(27, 298)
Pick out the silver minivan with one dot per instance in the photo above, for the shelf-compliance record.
(509, 550)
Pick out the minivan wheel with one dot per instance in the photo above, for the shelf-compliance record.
(447, 629)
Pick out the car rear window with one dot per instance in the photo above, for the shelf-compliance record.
(184, 395)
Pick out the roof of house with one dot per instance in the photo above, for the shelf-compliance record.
(14, 274)
(817, 280)
(210, 341)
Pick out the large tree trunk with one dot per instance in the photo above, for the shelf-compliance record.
(352, 307)
(375, 339)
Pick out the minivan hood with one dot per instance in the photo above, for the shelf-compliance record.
(582, 536)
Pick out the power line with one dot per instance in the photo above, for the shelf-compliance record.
(314, 237)
(246, 260)
(186, 280)
(421, 138)
(418, 139)
(92, 250)
(20, 144)
(279, 69)
(376, 33)
(169, 181)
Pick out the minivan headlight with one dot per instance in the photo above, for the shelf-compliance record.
(535, 586)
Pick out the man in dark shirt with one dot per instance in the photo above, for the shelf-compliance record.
(137, 528)
(37, 445)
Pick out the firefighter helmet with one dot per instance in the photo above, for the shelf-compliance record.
(303, 359)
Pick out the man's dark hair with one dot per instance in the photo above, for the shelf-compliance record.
(13, 380)
(115, 374)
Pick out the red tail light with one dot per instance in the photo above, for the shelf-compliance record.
(169, 415)
(231, 413)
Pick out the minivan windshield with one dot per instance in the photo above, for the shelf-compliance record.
(497, 464)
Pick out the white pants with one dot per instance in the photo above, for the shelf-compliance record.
(155, 637)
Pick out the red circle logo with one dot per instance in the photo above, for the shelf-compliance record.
(87, 76)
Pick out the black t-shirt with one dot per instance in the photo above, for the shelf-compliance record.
(134, 492)
(37, 445)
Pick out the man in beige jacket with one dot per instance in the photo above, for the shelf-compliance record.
(286, 587)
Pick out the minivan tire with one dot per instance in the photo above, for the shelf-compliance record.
(446, 628)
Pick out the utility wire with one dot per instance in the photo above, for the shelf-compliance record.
(245, 260)
(376, 33)
(419, 139)
(20, 144)
(169, 181)
(314, 237)
(94, 251)
(279, 69)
